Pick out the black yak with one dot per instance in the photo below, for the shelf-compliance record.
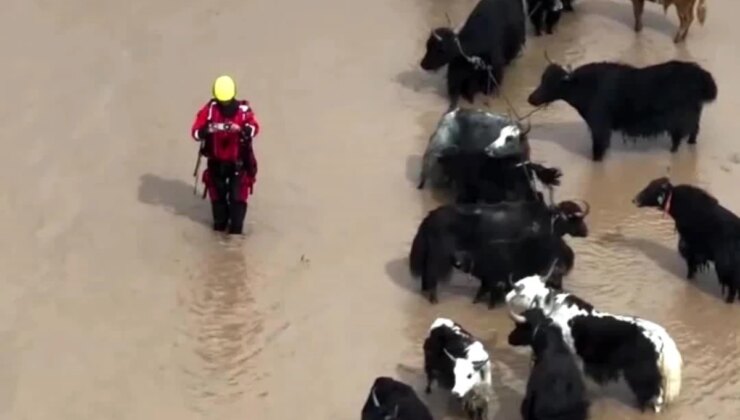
(648, 101)
(390, 399)
(544, 13)
(492, 36)
(555, 388)
(473, 236)
(708, 231)
(478, 177)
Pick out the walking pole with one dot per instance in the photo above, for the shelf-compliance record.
(197, 167)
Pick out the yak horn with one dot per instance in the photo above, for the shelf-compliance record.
(449, 21)
(517, 318)
(528, 128)
(448, 354)
(478, 364)
(587, 208)
(375, 398)
(552, 270)
(547, 57)
(436, 36)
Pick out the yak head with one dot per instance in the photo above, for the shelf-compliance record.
(526, 326)
(377, 408)
(510, 136)
(655, 194)
(530, 292)
(570, 219)
(441, 48)
(554, 84)
(470, 370)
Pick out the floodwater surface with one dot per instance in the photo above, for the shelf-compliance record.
(118, 302)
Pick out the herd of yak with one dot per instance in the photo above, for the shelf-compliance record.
(505, 233)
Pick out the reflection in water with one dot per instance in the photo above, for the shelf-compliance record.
(222, 326)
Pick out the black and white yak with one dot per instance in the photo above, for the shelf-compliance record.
(491, 38)
(485, 156)
(638, 102)
(555, 389)
(708, 232)
(607, 346)
(459, 363)
(495, 242)
(390, 399)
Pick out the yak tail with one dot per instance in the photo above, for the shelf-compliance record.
(419, 249)
(708, 87)
(548, 176)
(670, 365)
(701, 11)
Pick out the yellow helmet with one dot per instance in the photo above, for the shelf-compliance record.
(224, 88)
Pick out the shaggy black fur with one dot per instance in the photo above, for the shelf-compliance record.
(708, 231)
(555, 388)
(390, 399)
(480, 178)
(461, 235)
(494, 31)
(649, 101)
(497, 264)
(544, 13)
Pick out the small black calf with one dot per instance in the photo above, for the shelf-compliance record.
(393, 400)
(555, 389)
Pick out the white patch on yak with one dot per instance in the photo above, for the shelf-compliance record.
(507, 134)
(531, 292)
(467, 376)
(661, 199)
(439, 322)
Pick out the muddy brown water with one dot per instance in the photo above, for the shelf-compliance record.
(119, 303)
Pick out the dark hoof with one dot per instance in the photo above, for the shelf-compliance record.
(428, 389)
(433, 299)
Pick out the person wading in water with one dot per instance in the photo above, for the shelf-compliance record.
(225, 127)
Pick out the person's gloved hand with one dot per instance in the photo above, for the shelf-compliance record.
(247, 132)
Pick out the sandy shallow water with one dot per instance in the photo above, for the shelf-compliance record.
(119, 303)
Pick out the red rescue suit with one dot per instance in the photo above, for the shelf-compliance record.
(227, 131)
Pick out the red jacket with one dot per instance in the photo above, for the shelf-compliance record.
(225, 146)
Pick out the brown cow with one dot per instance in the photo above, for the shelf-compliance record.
(684, 8)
